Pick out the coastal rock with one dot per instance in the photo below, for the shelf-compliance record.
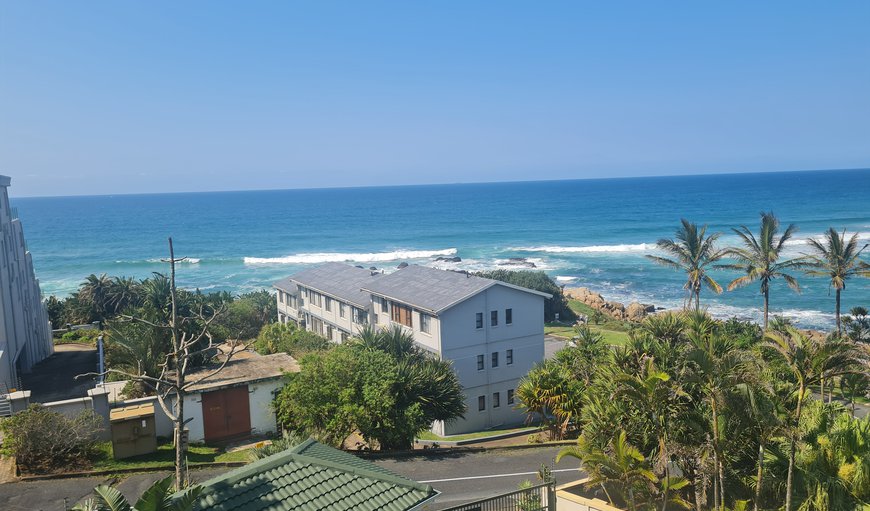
(519, 261)
(635, 311)
(402, 265)
(455, 259)
(373, 268)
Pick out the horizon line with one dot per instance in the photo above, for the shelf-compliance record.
(453, 183)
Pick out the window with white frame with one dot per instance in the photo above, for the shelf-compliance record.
(328, 304)
(493, 318)
(480, 366)
(481, 403)
(510, 396)
(509, 357)
(478, 320)
(496, 401)
(508, 316)
(425, 319)
(342, 310)
(494, 359)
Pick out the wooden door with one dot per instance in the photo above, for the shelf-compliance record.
(226, 414)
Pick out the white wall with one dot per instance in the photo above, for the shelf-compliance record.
(462, 343)
(25, 333)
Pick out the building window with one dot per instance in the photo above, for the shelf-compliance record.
(481, 403)
(424, 322)
(478, 320)
(329, 332)
(493, 318)
(328, 304)
(509, 357)
(341, 310)
(494, 359)
(344, 337)
(510, 394)
(360, 316)
(508, 316)
(401, 314)
(496, 402)
(480, 363)
(384, 306)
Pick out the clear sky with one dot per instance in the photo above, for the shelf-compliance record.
(151, 96)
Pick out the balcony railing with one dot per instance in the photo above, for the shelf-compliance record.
(536, 498)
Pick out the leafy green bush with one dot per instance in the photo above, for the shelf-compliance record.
(43, 440)
(83, 336)
(281, 338)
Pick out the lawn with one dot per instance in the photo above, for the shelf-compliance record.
(428, 435)
(165, 456)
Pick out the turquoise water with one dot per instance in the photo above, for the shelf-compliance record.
(591, 233)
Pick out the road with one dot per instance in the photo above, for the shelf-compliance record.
(460, 477)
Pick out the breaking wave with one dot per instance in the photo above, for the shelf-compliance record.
(341, 257)
(556, 249)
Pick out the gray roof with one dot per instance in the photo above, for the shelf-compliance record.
(434, 290)
(287, 285)
(339, 280)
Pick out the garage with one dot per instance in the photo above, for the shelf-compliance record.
(226, 414)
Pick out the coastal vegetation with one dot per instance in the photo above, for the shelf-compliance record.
(704, 414)
(379, 385)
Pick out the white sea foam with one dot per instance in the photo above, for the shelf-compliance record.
(189, 260)
(556, 249)
(341, 257)
(564, 278)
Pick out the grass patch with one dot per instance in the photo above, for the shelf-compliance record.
(428, 435)
(615, 337)
(606, 322)
(165, 456)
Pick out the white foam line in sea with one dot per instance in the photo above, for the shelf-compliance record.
(341, 257)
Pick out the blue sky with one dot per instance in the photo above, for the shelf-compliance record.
(127, 97)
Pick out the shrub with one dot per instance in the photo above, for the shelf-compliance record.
(43, 440)
(281, 338)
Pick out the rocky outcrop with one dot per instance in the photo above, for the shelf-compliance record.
(518, 261)
(633, 312)
(456, 259)
(402, 265)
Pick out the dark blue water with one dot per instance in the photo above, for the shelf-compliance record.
(590, 233)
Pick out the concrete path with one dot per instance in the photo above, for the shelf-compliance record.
(53, 379)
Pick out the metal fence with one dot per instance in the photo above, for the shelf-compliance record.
(536, 498)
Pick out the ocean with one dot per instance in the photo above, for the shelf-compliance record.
(592, 233)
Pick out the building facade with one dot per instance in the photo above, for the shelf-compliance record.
(492, 332)
(25, 337)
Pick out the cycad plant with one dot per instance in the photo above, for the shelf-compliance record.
(838, 259)
(760, 258)
(694, 252)
(160, 496)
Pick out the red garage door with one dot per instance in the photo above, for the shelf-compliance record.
(226, 414)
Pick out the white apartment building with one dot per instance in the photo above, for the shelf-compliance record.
(25, 337)
(492, 332)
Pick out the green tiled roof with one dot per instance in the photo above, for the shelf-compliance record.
(311, 476)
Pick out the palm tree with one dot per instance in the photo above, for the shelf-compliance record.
(160, 496)
(693, 252)
(760, 257)
(124, 292)
(837, 259)
(854, 385)
(808, 362)
(95, 291)
(621, 468)
(718, 369)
